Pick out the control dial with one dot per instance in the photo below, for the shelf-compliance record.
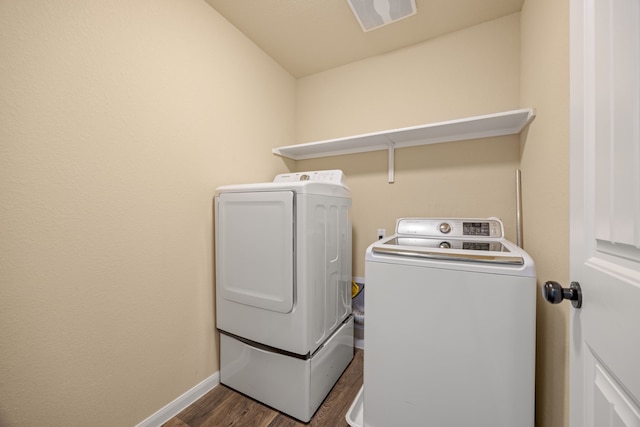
(444, 228)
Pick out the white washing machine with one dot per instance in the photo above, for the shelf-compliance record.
(283, 288)
(450, 334)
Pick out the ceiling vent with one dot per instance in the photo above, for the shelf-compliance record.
(372, 14)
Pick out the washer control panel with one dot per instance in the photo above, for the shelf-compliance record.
(451, 227)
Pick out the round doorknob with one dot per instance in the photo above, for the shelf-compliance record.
(554, 293)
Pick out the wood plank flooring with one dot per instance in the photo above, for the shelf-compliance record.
(223, 406)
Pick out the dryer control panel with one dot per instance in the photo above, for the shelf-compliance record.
(334, 176)
(491, 228)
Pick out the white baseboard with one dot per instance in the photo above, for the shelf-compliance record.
(181, 402)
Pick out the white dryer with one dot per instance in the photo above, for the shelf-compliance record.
(283, 288)
(450, 333)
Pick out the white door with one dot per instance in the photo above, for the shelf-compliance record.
(605, 212)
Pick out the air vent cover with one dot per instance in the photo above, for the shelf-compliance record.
(372, 14)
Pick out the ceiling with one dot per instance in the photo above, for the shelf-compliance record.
(309, 36)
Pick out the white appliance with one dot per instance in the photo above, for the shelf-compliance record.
(283, 288)
(450, 335)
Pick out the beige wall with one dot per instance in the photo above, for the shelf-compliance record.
(117, 121)
(471, 72)
(545, 181)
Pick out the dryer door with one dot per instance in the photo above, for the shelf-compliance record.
(255, 249)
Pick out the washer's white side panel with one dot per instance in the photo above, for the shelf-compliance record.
(448, 348)
(255, 249)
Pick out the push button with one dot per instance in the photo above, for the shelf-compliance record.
(444, 228)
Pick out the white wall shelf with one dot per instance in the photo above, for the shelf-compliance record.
(490, 125)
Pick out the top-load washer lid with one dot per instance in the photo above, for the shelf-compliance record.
(459, 239)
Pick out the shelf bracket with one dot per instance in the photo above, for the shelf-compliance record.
(392, 153)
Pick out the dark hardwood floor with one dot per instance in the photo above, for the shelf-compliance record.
(223, 406)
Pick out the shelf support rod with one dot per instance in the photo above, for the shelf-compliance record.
(391, 161)
(519, 208)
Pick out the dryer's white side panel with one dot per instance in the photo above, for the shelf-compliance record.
(324, 263)
(345, 233)
(255, 249)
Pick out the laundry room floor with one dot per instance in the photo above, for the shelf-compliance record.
(223, 406)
